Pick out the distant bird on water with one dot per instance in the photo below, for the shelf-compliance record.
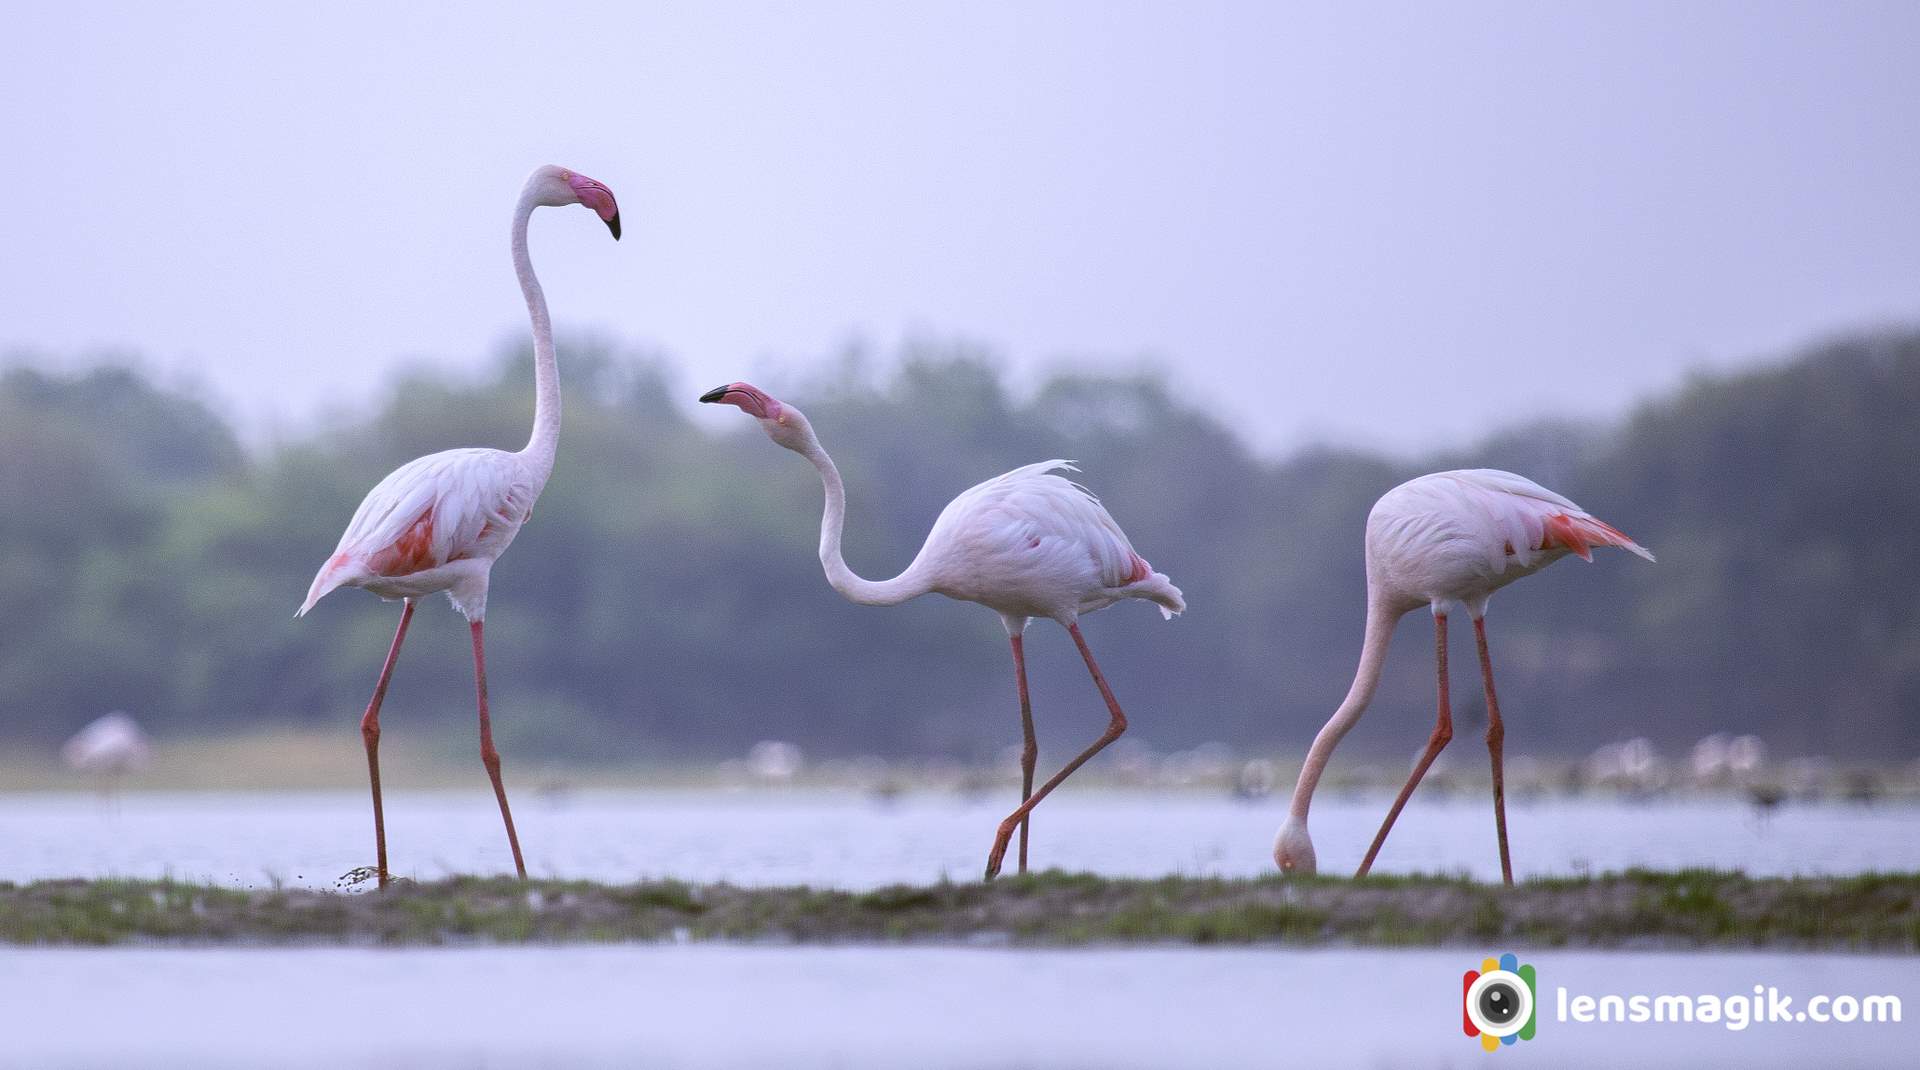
(110, 747)
(439, 522)
(1446, 539)
(1026, 544)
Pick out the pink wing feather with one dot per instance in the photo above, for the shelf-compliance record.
(1524, 518)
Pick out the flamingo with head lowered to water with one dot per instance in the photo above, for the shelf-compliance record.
(1444, 540)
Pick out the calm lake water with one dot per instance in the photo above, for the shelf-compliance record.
(758, 1006)
(849, 840)
(731, 1006)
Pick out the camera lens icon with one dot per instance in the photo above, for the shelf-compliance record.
(1497, 1002)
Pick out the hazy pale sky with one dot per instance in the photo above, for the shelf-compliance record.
(1387, 225)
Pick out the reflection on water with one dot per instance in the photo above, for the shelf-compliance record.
(848, 840)
(722, 1006)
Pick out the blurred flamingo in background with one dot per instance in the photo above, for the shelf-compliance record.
(109, 747)
(1025, 544)
(439, 522)
(1439, 540)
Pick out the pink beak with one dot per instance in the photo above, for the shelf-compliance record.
(600, 199)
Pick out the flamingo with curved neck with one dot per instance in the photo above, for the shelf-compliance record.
(1025, 544)
(438, 523)
(911, 583)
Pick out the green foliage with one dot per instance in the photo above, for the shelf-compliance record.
(665, 601)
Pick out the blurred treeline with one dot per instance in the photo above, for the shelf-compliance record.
(665, 602)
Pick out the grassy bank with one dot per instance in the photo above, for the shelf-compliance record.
(1690, 908)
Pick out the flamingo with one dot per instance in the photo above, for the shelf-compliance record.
(439, 522)
(1025, 544)
(109, 747)
(1445, 539)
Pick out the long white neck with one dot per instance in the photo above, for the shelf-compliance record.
(860, 591)
(545, 440)
(1381, 617)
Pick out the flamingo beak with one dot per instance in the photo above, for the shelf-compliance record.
(599, 198)
(746, 398)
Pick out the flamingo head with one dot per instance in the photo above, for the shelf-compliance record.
(555, 186)
(784, 424)
(1293, 849)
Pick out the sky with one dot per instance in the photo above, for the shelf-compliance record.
(1382, 225)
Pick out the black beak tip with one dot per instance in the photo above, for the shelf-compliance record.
(715, 394)
(614, 225)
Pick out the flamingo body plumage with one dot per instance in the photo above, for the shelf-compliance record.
(1031, 543)
(1454, 538)
(1444, 540)
(434, 524)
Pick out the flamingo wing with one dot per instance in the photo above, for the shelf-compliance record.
(1520, 519)
(1032, 511)
(440, 508)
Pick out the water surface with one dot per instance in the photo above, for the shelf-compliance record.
(924, 1007)
(850, 840)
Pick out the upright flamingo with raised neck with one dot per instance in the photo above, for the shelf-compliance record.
(438, 523)
(1441, 540)
(1025, 544)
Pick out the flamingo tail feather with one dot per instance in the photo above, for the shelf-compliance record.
(1159, 590)
(1579, 534)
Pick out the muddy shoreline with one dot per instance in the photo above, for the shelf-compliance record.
(1638, 909)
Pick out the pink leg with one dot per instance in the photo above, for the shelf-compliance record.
(1116, 725)
(1496, 738)
(1442, 733)
(1030, 752)
(370, 734)
(488, 755)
